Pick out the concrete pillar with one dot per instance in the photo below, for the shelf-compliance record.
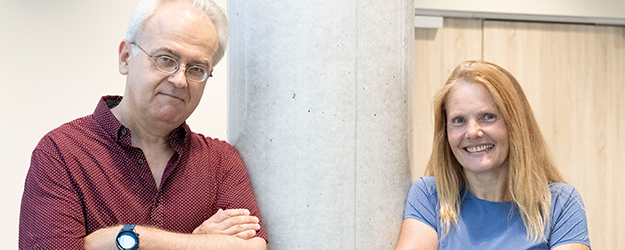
(319, 97)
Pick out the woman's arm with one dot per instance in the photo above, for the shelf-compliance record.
(416, 235)
(572, 246)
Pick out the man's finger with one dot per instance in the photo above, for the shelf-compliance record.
(246, 235)
(240, 224)
(235, 212)
(223, 215)
(229, 222)
(238, 220)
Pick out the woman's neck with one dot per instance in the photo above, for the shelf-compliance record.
(490, 186)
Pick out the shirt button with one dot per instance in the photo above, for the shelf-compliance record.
(140, 161)
(123, 131)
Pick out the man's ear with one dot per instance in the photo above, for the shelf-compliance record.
(125, 50)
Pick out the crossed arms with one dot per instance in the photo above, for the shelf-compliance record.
(226, 229)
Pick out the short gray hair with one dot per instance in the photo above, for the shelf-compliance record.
(146, 8)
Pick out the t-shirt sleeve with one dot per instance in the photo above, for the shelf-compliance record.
(422, 202)
(569, 223)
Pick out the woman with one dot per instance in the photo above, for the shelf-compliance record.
(491, 182)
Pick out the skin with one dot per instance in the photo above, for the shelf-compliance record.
(572, 246)
(478, 137)
(154, 104)
(474, 121)
(416, 235)
(154, 100)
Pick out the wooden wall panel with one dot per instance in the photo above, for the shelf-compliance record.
(437, 53)
(574, 77)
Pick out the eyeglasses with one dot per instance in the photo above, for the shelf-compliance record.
(169, 65)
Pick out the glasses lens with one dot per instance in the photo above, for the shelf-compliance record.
(196, 73)
(167, 64)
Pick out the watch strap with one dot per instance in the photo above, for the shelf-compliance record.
(128, 229)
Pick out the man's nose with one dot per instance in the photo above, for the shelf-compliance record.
(178, 78)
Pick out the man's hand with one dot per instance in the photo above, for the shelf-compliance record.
(234, 222)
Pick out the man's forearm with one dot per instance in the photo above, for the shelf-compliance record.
(156, 239)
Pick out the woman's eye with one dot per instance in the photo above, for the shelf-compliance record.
(489, 117)
(457, 120)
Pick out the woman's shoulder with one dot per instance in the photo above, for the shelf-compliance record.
(568, 216)
(426, 184)
(422, 201)
(564, 190)
(429, 181)
(564, 195)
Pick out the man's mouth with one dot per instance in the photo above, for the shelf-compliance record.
(173, 96)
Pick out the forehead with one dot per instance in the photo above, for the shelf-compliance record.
(182, 29)
(468, 95)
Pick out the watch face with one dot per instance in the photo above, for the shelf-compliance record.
(127, 240)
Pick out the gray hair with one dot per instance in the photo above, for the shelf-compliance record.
(146, 8)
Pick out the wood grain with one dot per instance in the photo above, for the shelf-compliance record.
(574, 76)
(437, 53)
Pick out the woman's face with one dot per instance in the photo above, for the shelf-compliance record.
(476, 131)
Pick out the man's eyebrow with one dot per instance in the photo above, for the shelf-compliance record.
(201, 62)
(167, 50)
(193, 62)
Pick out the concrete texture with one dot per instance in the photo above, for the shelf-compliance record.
(319, 94)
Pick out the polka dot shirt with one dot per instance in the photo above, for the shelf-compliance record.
(85, 175)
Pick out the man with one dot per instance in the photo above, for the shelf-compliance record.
(133, 174)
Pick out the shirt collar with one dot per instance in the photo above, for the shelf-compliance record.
(119, 133)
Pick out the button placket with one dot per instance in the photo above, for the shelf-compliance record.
(156, 215)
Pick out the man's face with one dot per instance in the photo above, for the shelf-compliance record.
(180, 32)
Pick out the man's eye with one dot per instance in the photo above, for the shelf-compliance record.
(196, 69)
(167, 61)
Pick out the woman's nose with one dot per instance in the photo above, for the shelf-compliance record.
(474, 130)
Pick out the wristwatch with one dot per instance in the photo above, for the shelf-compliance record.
(127, 238)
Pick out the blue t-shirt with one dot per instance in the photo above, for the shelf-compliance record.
(498, 225)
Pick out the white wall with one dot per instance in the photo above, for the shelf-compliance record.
(58, 58)
(581, 8)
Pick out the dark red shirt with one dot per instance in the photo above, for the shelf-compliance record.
(85, 175)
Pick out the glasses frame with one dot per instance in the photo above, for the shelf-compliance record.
(178, 66)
